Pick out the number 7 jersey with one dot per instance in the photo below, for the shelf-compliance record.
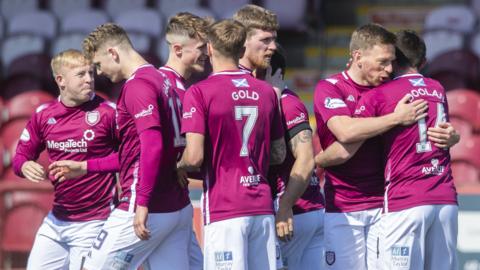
(239, 116)
(417, 172)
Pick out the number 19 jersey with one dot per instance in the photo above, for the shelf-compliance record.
(239, 116)
(417, 172)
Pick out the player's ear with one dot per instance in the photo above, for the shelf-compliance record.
(177, 49)
(60, 80)
(112, 51)
(209, 49)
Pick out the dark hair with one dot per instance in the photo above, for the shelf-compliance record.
(410, 49)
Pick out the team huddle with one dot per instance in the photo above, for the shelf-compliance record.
(388, 203)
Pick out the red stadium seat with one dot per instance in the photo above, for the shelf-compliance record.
(467, 150)
(10, 176)
(4, 158)
(465, 104)
(463, 127)
(25, 104)
(22, 209)
(464, 65)
(19, 83)
(36, 64)
(12, 130)
(465, 174)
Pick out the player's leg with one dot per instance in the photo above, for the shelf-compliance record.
(261, 243)
(48, 251)
(172, 251)
(118, 247)
(441, 241)
(312, 258)
(195, 256)
(372, 232)
(225, 244)
(345, 241)
(404, 237)
(307, 242)
(80, 238)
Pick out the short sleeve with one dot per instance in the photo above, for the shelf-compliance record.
(329, 101)
(295, 115)
(194, 111)
(143, 104)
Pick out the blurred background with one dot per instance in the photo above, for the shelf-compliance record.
(315, 35)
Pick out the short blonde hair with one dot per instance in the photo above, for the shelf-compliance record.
(255, 17)
(228, 38)
(369, 35)
(187, 25)
(105, 33)
(70, 59)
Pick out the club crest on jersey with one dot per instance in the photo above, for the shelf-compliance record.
(334, 103)
(92, 118)
(240, 83)
(417, 82)
(330, 257)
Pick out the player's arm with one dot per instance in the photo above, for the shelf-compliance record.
(192, 157)
(337, 153)
(348, 129)
(443, 136)
(278, 151)
(27, 152)
(63, 170)
(302, 149)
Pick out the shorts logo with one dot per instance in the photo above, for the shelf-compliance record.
(400, 257)
(330, 257)
(92, 118)
(334, 103)
(223, 260)
(122, 260)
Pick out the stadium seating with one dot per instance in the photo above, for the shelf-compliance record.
(147, 21)
(2, 26)
(36, 22)
(442, 40)
(11, 8)
(454, 17)
(289, 16)
(140, 41)
(4, 158)
(64, 8)
(25, 104)
(465, 173)
(463, 127)
(67, 41)
(3, 112)
(162, 49)
(114, 7)
(36, 64)
(22, 209)
(455, 69)
(22, 44)
(169, 8)
(225, 9)
(467, 150)
(83, 21)
(11, 131)
(465, 104)
(17, 84)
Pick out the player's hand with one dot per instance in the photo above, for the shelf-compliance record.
(67, 169)
(140, 223)
(276, 80)
(410, 112)
(284, 223)
(182, 178)
(443, 136)
(33, 171)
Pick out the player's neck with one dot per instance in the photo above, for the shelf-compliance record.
(133, 61)
(220, 63)
(356, 75)
(179, 67)
(71, 103)
(246, 63)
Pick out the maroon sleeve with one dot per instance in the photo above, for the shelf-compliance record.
(150, 159)
(106, 164)
(29, 146)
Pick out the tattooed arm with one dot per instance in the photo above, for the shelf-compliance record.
(302, 149)
(278, 151)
